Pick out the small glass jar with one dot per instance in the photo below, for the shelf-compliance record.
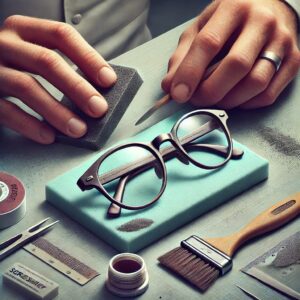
(127, 275)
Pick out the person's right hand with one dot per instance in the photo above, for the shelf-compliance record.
(26, 46)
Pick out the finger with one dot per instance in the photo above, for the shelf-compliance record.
(28, 90)
(254, 83)
(237, 64)
(177, 57)
(258, 79)
(13, 117)
(50, 65)
(282, 78)
(204, 48)
(64, 37)
(184, 44)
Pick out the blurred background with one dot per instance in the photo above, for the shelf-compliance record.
(167, 14)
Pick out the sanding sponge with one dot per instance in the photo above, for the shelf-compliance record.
(118, 98)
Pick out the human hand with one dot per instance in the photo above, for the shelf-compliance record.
(26, 45)
(242, 79)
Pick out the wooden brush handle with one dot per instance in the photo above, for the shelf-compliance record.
(272, 218)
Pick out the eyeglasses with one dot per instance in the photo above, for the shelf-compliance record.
(133, 175)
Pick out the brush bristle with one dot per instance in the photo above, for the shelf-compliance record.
(189, 266)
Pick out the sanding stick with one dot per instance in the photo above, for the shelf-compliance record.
(118, 98)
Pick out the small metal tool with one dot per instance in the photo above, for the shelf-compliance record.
(166, 98)
(16, 242)
(159, 103)
(247, 292)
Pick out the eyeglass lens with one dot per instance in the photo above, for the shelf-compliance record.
(143, 184)
(202, 148)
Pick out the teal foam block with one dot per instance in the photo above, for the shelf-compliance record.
(190, 192)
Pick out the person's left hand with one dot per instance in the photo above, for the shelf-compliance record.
(242, 79)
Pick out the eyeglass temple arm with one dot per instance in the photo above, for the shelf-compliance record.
(126, 169)
(217, 149)
(114, 210)
(207, 127)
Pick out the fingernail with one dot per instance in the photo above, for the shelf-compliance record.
(107, 76)
(47, 135)
(181, 92)
(76, 127)
(97, 105)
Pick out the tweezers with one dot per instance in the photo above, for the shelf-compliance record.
(12, 244)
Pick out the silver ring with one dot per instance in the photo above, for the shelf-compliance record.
(273, 58)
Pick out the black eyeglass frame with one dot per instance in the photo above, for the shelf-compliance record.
(90, 179)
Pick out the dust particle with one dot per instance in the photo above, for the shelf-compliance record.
(135, 225)
(281, 142)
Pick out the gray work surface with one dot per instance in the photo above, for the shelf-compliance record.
(271, 132)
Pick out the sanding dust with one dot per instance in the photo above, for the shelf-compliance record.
(281, 142)
(288, 254)
(135, 225)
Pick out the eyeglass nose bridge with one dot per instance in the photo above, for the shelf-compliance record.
(160, 139)
(168, 137)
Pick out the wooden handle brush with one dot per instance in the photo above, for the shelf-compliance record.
(202, 261)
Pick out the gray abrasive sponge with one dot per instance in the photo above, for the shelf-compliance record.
(118, 98)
